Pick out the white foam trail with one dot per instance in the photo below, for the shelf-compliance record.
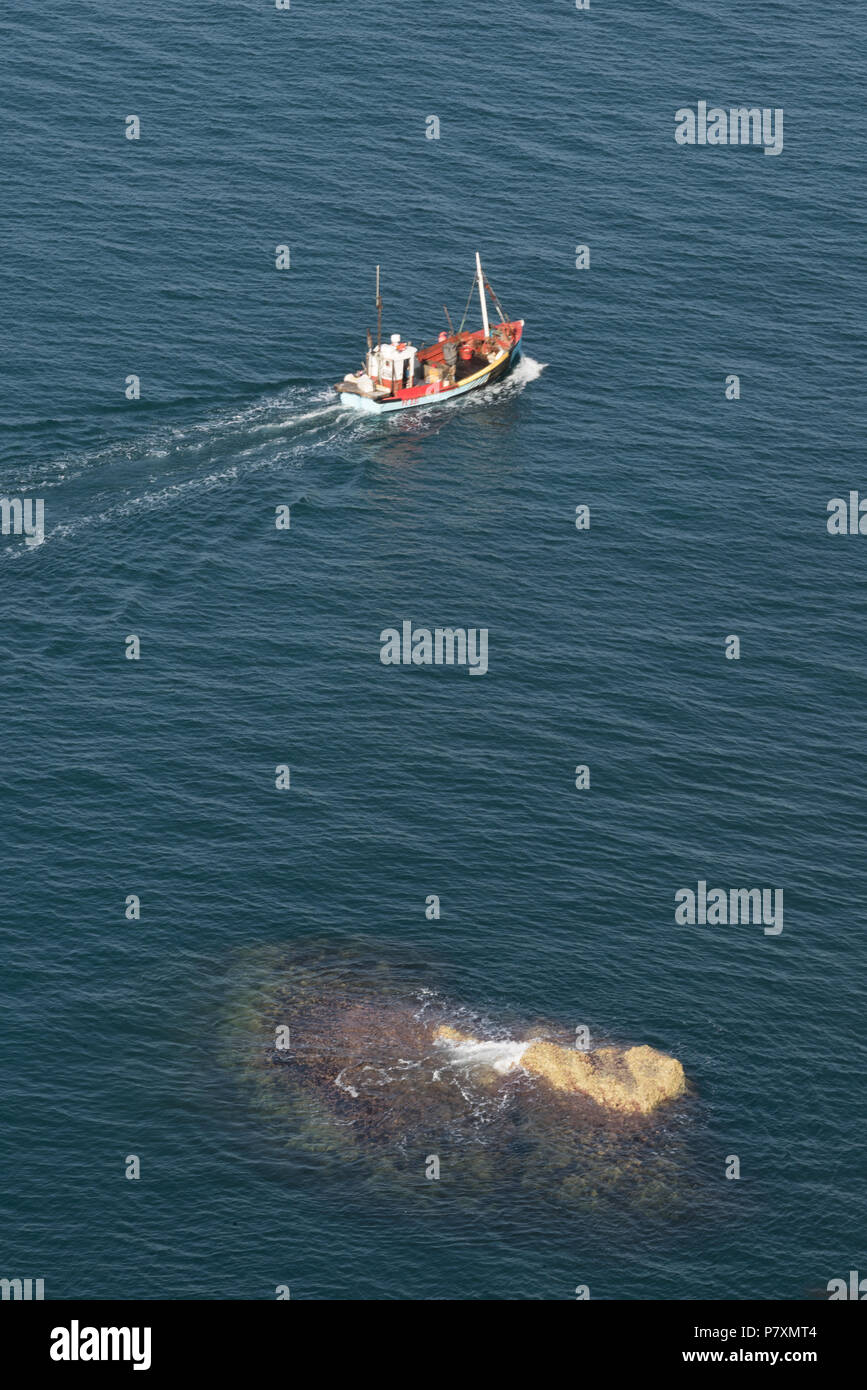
(501, 1055)
(292, 421)
(345, 1086)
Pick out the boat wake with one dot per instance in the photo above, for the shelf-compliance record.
(172, 463)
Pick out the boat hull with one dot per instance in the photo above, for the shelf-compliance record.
(437, 393)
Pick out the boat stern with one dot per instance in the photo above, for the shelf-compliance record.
(355, 401)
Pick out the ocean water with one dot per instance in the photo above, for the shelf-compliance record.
(260, 647)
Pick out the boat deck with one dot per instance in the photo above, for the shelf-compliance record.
(501, 342)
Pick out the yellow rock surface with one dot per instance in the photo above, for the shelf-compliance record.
(633, 1081)
(447, 1034)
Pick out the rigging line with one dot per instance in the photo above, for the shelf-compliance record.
(497, 302)
(467, 310)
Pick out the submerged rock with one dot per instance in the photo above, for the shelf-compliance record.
(381, 1072)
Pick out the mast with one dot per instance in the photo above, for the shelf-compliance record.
(484, 303)
(378, 328)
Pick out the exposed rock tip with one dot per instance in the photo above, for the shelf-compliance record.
(634, 1080)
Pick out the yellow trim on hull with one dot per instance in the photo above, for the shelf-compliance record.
(492, 366)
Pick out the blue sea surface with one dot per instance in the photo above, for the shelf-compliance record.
(260, 647)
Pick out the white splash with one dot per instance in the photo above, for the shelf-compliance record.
(528, 369)
(501, 1055)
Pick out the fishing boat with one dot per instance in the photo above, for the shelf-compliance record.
(397, 376)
